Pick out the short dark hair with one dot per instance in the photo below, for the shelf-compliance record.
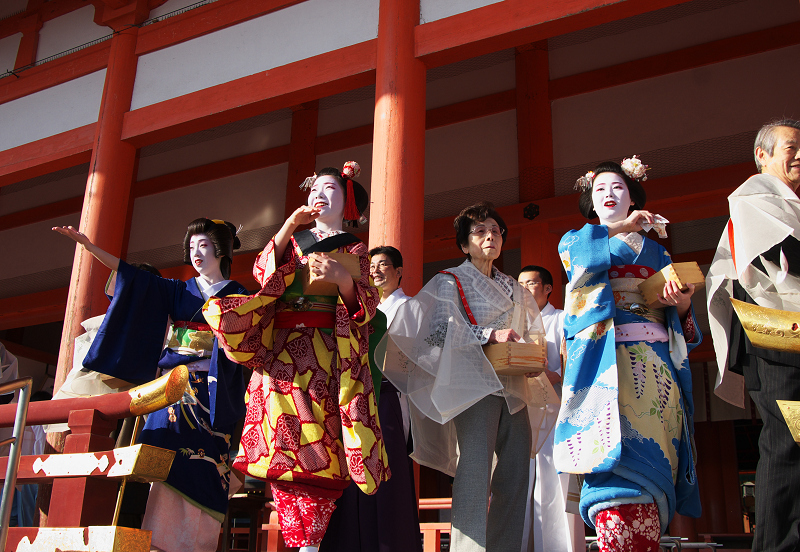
(765, 139)
(472, 215)
(361, 195)
(544, 274)
(635, 189)
(392, 252)
(222, 234)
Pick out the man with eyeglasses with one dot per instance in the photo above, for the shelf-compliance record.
(548, 527)
(388, 520)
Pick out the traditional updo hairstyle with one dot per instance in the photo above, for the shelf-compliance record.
(635, 189)
(472, 216)
(222, 234)
(353, 210)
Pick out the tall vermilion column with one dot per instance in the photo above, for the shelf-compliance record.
(398, 151)
(302, 154)
(111, 173)
(534, 122)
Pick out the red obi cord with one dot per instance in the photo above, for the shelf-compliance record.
(199, 326)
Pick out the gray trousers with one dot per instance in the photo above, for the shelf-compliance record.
(484, 429)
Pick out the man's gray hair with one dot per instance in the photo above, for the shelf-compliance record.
(765, 139)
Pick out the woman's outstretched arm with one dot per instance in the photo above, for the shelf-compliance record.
(101, 255)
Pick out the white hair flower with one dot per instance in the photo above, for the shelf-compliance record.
(634, 168)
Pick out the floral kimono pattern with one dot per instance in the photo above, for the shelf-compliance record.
(626, 415)
(311, 412)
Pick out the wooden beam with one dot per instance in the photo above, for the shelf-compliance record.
(32, 309)
(293, 84)
(212, 171)
(20, 350)
(41, 213)
(48, 10)
(47, 155)
(709, 53)
(516, 22)
(58, 71)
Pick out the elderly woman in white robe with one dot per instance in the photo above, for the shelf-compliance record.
(463, 413)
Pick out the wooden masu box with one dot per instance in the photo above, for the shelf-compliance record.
(311, 286)
(682, 273)
(513, 359)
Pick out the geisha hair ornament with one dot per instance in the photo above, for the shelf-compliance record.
(350, 171)
(632, 166)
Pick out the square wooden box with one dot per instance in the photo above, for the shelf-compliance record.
(313, 287)
(513, 359)
(682, 273)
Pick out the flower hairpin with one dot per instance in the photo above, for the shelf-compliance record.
(634, 168)
(585, 182)
(351, 170)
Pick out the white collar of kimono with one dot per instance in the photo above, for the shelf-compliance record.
(210, 289)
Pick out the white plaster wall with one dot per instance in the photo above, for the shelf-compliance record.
(37, 247)
(51, 192)
(68, 31)
(10, 7)
(56, 109)
(254, 200)
(471, 153)
(699, 28)
(681, 108)
(226, 147)
(471, 85)
(431, 10)
(294, 33)
(9, 46)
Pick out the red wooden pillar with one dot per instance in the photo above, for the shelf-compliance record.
(302, 155)
(539, 246)
(398, 152)
(534, 122)
(111, 173)
(29, 44)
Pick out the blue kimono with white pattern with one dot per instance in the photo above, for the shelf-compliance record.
(626, 414)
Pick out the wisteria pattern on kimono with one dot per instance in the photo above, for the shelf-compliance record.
(432, 354)
(627, 409)
(309, 385)
(128, 346)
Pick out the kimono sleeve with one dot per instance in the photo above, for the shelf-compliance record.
(243, 324)
(130, 340)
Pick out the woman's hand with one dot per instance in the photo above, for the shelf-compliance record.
(672, 296)
(74, 234)
(101, 255)
(503, 336)
(303, 215)
(551, 376)
(326, 269)
(633, 223)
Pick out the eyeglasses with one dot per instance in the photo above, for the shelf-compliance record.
(481, 230)
(380, 265)
(529, 284)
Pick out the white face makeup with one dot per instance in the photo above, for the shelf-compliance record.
(201, 253)
(327, 195)
(610, 197)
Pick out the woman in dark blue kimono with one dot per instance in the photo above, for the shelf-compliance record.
(626, 412)
(185, 511)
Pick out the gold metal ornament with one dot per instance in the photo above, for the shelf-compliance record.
(773, 329)
(166, 390)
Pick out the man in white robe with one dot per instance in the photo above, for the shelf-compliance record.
(758, 262)
(548, 526)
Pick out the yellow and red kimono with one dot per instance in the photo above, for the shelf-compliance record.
(312, 420)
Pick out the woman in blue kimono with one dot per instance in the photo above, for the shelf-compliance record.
(626, 415)
(184, 512)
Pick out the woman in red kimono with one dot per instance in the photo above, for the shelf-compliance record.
(311, 421)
